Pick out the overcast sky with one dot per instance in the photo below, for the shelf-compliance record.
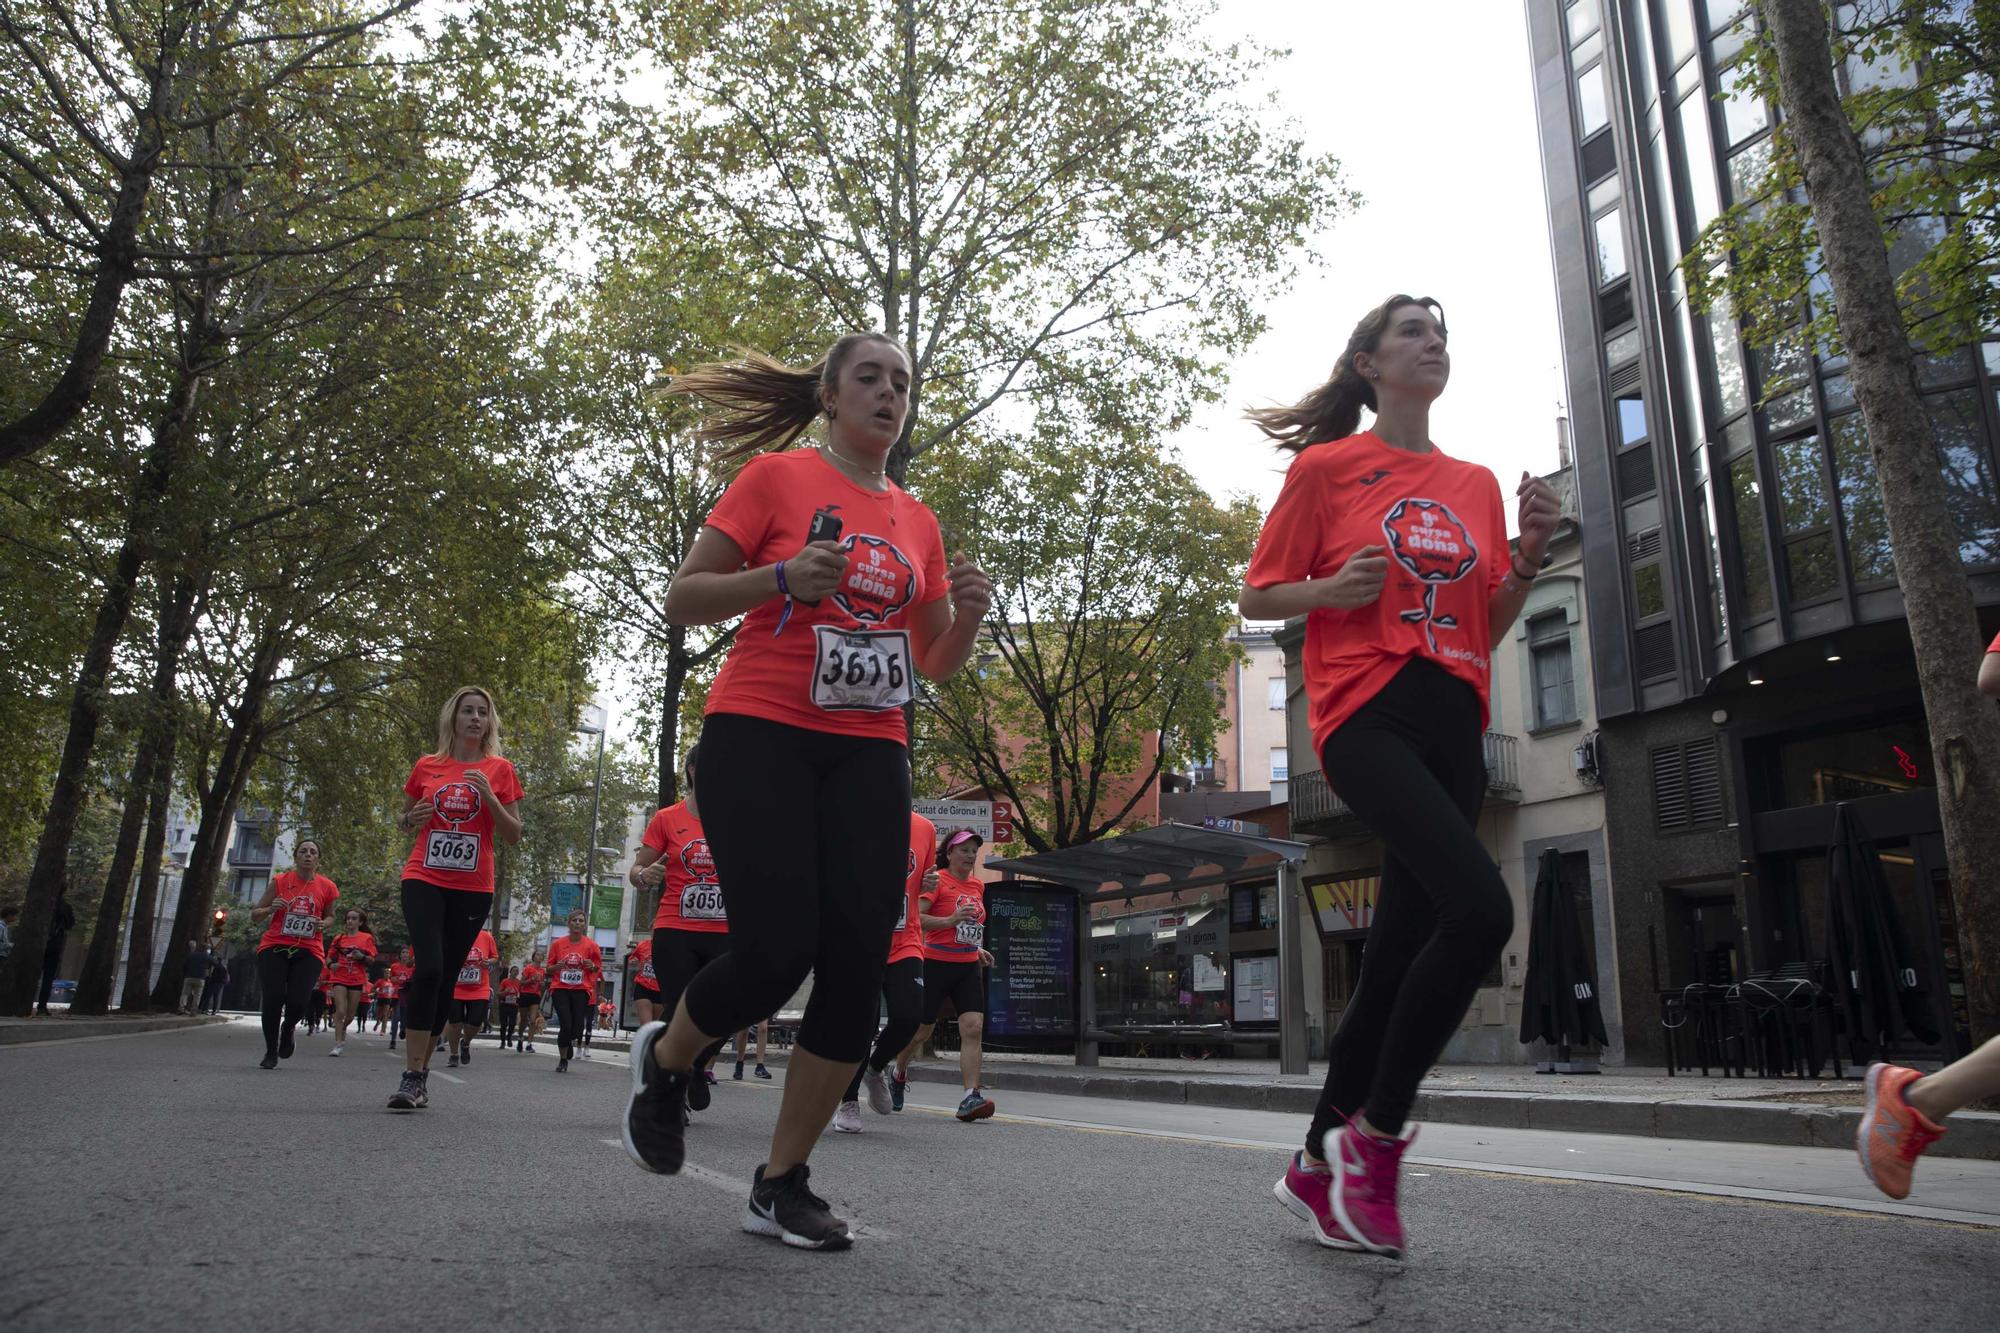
(1428, 105)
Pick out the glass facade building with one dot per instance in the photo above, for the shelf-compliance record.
(1750, 659)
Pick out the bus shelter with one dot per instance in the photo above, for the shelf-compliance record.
(1173, 859)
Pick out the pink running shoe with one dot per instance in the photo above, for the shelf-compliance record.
(1364, 1187)
(1304, 1191)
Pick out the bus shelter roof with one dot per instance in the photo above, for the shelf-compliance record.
(1127, 863)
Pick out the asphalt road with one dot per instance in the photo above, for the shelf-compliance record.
(164, 1181)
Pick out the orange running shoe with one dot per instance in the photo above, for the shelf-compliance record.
(1893, 1133)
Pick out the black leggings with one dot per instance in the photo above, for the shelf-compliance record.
(287, 976)
(677, 956)
(1411, 765)
(442, 923)
(903, 992)
(823, 898)
(509, 1013)
(572, 1013)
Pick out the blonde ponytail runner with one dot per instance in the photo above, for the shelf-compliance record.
(759, 403)
(1333, 410)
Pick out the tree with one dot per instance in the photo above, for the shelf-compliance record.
(1117, 578)
(1875, 330)
(1064, 197)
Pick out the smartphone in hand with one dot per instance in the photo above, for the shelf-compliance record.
(825, 527)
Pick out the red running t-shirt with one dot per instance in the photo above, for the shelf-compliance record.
(845, 665)
(958, 943)
(575, 964)
(455, 850)
(385, 989)
(908, 941)
(690, 898)
(531, 982)
(346, 962)
(475, 977)
(296, 913)
(400, 973)
(510, 990)
(1445, 528)
(640, 959)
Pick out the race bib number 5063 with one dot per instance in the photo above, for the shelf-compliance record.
(446, 850)
(866, 670)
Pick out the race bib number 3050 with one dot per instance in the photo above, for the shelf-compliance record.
(702, 902)
(861, 670)
(446, 850)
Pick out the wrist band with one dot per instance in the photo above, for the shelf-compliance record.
(1514, 567)
(786, 614)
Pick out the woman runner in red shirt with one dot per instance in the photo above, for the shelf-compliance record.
(532, 981)
(510, 1005)
(1397, 556)
(347, 969)
(646, 1004)
(461, 796)
(902, 990)
(575, 963)
(955, 962)
(841, 578)
(471, 994)
(299, 903)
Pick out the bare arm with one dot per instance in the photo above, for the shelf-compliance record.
(1989, 675)
(712, 585)
(1282, 601)
(264, 904)
(638, 877)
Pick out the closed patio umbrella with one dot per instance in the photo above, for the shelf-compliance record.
(1875, 974)
(1559, 1002)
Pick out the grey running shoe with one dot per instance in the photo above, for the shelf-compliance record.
(409, 1094)
(976, 1105)
(877, 1085)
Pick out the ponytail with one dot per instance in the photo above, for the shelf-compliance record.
(760, 402)
(1333, 410)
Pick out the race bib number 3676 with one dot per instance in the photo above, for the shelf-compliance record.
(861, 670)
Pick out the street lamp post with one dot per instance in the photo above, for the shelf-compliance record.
(592, 725)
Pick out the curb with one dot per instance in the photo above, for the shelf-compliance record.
(1974, 1134)
(66, 1029)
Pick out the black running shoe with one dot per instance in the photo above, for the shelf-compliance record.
(562, 1064)
(285, 1044)
(763, 1072)
(656, 1113)
(738, 1075)
(453, 1062)
(698, 1095)
(786, 1209)
(409, 1094)
(465, 1052)
(270, 1061)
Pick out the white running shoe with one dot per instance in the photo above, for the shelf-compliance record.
(877, 1084)
(338, 1047)
(847, 1120)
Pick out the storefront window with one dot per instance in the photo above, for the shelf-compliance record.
(1872, 759)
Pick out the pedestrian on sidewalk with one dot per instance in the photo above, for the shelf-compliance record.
(61, 920)
(194, 976)
(218, 980)
(8, 916)
(1397, 555)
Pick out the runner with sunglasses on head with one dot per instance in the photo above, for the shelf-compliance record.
(299, 903)
(902, 989)
(845, 592)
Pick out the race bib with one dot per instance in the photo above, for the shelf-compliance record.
(702, 902)
(471, 975)
(646, 972)
(300, 925)
(971, 932)
(571, 976)
(447, 850)
(861, 670)
(903, 916)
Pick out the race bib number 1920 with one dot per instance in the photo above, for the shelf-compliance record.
(861, 670)
(447, 850)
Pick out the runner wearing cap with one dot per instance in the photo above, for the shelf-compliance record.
(574, 965)
(462, 797)
(471, 996)
(902, 988)
(299, 903)
(841, 580)
(953, 913)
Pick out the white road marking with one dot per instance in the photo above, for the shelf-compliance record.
(449, 1078)
(738, 1189)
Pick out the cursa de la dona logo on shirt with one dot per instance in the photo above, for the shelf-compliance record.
(697, 861)
(456, 802)
(1428, 540)
(880, 579)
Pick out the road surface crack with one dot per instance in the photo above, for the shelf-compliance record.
(1378, 1305)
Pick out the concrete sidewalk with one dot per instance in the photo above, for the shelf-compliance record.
(59, 1026)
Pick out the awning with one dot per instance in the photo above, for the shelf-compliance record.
(1124, 864)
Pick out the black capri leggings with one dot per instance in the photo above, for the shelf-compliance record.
(903, 994)
(821, 899)
(572, 1012)
(1410, 764)
(287, 976)
(443, 923)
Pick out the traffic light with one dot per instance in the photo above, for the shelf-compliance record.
(221, 915)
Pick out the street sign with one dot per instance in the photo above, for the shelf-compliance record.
(1235, 826)
(991, 820)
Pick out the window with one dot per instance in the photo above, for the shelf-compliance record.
(1743, 112)
(1967, 457)
(1277, 694)
(1581, 19)
(250, 886)
(1753, 572)
(1649, 592)
(1687, 786)
(1611, 263)
(1700, 158)
(1631, 418)
(1806, 515)
(1732, 395)
(1592, 110)
(1868, 555)
(1621, 347)
(1680, 30)
(1552, 670)
(1281, 764)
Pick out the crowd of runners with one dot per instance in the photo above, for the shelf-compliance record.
(1396, 554)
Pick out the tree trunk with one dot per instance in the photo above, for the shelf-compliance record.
(156, 739)
(1944, 630)
(139, 949)
(218, 812)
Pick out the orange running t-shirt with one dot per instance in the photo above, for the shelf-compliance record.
(531, 982)
(845, 665)
(690, 898)
(640, 962)
(510, 990)
(455, 850)
(401, 972)
(475, 977)
(957, 943)
(575, 964)
(1445, 530)
(347, 953)
(296, 911)
(908, 941)
(385, 989)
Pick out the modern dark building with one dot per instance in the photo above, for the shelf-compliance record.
(1750, 659)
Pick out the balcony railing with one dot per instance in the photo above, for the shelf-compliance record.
(1317, 808)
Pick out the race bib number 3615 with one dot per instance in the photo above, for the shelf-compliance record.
(861, 670)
